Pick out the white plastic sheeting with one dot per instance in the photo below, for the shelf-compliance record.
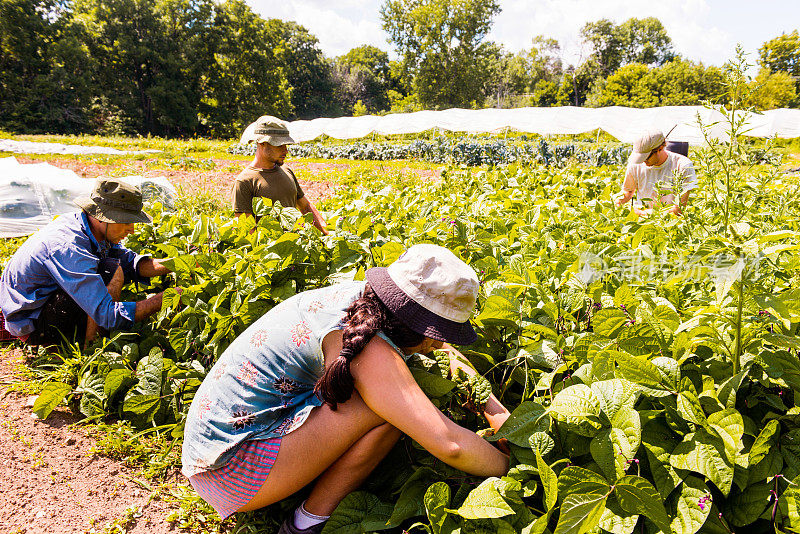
(30, 147)
(31, 195)
(623, 123)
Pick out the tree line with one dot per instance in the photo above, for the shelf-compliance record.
(209, 67)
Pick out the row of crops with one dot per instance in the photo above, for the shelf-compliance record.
(463, 151)
(651, 365)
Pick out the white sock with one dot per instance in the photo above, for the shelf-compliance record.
(304, 519)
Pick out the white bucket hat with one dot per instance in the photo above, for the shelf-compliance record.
(431, 291)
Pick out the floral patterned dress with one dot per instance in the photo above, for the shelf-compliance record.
(262, 387)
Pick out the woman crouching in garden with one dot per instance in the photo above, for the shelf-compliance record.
(317, 390)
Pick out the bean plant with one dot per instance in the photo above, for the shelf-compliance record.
(650, 364)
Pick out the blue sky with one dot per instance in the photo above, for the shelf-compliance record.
(702, 30)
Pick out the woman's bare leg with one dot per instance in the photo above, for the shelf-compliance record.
(115, 290)
(343, 446)
(351, 469)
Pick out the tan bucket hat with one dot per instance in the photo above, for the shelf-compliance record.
(645, 144)
(431, 291)
(268, 129)
(113, 201)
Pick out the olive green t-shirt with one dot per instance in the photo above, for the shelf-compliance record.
(278, 183)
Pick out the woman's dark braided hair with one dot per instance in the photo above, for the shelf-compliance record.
(365, 318)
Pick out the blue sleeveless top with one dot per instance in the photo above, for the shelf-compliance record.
(262, 386)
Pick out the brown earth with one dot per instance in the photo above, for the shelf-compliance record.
(218, 181)
(53, 482)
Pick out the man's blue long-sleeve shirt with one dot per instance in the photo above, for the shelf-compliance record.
(65, 255)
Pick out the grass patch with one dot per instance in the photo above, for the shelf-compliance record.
(154, 455)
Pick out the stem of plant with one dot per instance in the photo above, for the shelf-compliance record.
(739, 310)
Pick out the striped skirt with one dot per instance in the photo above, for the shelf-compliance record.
(235, 484)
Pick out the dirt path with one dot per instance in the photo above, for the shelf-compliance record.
(53, 482)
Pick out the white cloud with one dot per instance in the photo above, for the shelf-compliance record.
(686, 22)
(339, 25)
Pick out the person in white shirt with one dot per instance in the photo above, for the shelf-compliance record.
(656, 176)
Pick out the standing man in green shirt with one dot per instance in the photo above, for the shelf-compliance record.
(266, 176)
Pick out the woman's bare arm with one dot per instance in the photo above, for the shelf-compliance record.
(385, 383)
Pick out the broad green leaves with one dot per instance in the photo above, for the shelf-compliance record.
(51, 396)
(359, 512)
(527, 419)
(705, 453)
(484, 501)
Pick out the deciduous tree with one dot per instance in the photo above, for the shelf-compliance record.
(442, 45)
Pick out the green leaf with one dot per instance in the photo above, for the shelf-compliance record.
(659, 444)
(746, 507)
(784, 306)
(580, 513)
(502, 308)
(115, 380)
(613, 448)
(484, 502)
(578, 407)
(149, 372)
(358, 513)
(549, 482)
(142, 405)
(688, 517)
(789, 504)
(574, 479)
(432, 384)
(639, 370)
(729, 426)
(704, 453)
(436, 500)
(528, 418)
(609, 322)
(541, 442)
(690, 408)
(764, 442)
(410, 501)
(51, 396)
(638, 496)
(616, 520)
(615, 395)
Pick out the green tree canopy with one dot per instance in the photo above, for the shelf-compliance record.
(442, 45)
(677, 83)
(44, 70)
(308, 71)
(363, 75)
(782, 55)
(246, 77)
(643, 41)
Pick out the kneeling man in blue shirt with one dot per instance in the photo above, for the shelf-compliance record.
(67, 278)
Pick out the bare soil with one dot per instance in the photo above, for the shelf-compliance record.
(218, 181)
(52, 480)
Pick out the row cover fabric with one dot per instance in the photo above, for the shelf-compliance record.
(30, 147)
(31, 195)
(625, 124)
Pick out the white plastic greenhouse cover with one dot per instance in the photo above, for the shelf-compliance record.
(625, 124)
(31, 195)
(31, 147)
